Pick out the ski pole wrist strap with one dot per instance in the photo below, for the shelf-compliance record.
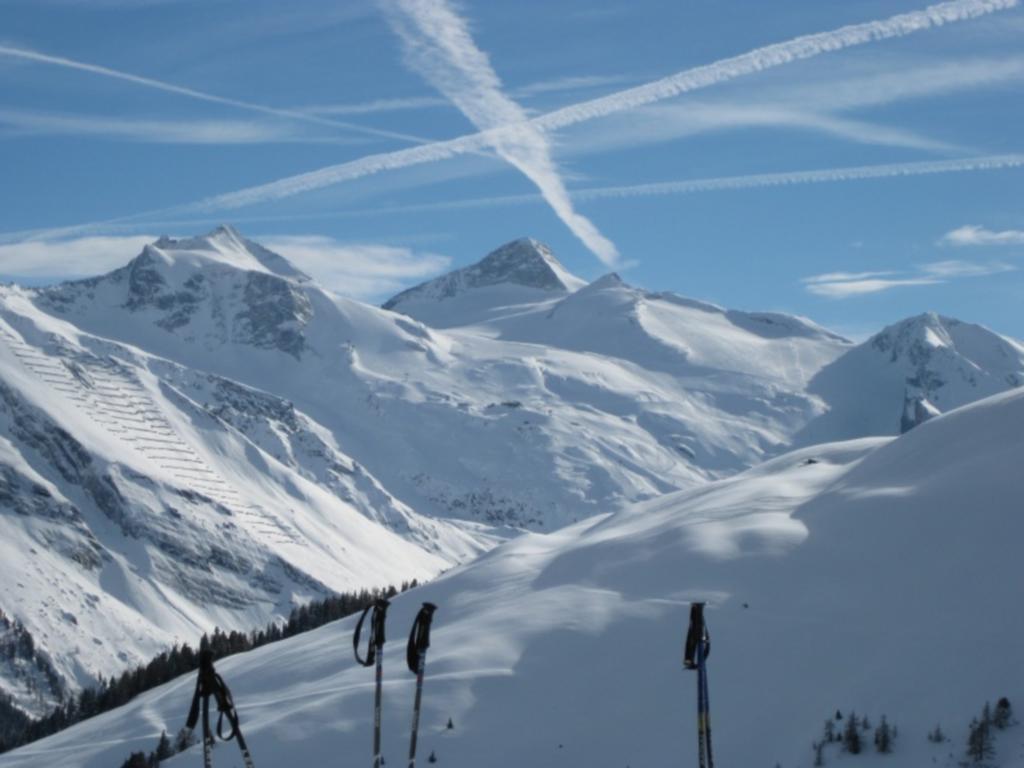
(419, 637)
(377, 613)
(209, 683)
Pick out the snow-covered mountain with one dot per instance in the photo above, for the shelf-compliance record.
(908, 373)
(518, 273)
(205, 436)
(864, 577)
(143, 503)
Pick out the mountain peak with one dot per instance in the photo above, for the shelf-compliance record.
(224, 245)
(526, 262)
(520, 270)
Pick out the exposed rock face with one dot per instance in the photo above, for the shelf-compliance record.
(526, 263)
(221, 287)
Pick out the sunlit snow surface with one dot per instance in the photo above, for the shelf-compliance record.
(205, 437)
(883, 577)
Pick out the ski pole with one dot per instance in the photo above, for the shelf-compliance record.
(705, 647)
(374, 655)
(416, 658)
(697, 648)
(209, 683)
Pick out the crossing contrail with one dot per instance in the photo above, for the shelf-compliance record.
(757, 60)
(439, 46)
(760, 59)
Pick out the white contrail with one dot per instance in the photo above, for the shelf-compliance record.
(160, 85)
(692, 79)
(688, 80)
(722, 183)
(770, 56)
(687, 186)
(988, 163)
(438, 46)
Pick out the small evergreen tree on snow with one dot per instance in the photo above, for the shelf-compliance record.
(432, 758)
(1003, 715)
(819, 756)
(183, 740)
(450, 725)
(865, 723)
(136, 760)
(937, 736)
(979, 741)
(163, 747)
(851, 735)
(839, 715)
(830, 731)
(883, 737)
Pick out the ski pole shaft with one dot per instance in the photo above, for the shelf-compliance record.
(707, 711)
(377, 708)
(416, 709)
(701, 750)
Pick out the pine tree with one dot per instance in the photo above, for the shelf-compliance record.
(183, 740)
(851, 735)
(163, 747)
(432, 758)
(839, 715)
(1003, 715)
(819, 757)
(883, 737)
(937, 736)
(830, 731)
(451, 725)
(865, 723)
(979, 741)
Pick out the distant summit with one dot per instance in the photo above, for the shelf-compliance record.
(909, 372)
(521, 271)
(219, 286)
(226, 245)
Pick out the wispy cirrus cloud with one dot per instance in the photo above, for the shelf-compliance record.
(17, 122)
(26, 54)
(844, 289)
(360, 270)
(952, 268)
(439, 46)
(818, 106)
(556, 85)
(66, 259)
(757, 60)
(972, 234)
(366, 271)
(844, 285)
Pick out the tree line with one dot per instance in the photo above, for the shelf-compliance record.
(179, 660)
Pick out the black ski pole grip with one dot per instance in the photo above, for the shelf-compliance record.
(379, 610)
(419, 637)
(696, 633)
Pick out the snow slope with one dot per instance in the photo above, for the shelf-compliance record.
(143, 503)
(878, 575)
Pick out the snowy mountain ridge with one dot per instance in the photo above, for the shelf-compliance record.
(236, 431)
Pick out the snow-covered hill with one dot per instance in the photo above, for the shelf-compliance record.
(878, 576)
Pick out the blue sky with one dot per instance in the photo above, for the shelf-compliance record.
(123, 120)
